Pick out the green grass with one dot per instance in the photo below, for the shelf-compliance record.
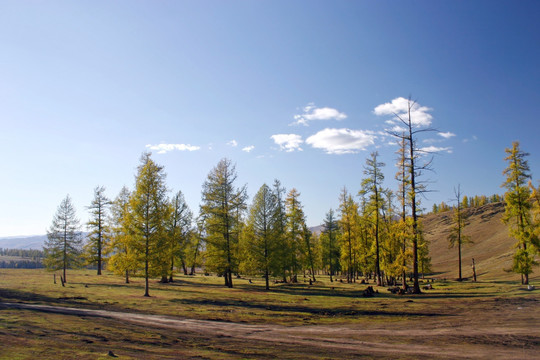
(31, 334)
(205, 297)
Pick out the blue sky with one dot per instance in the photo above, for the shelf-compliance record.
(285, 89)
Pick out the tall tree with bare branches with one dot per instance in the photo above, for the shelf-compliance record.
(411, 120)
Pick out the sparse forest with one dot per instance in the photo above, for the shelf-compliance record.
(376, 236)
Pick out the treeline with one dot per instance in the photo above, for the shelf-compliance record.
(29, 259)
(468, 202)
(25, 253)
(21, 264)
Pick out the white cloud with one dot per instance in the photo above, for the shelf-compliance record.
(288, 142)
(446, 135)
(314, 113)
(399, 107)
(233, 143)
(341, 141)
(248, 148)
(398, 129)
(164, 148)
(435, 149)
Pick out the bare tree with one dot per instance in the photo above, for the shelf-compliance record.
(416, 166)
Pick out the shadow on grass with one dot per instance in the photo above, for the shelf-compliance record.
(301, 309)
(9, 295)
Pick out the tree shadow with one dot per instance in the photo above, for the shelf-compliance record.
(302, 309)
(10, 295)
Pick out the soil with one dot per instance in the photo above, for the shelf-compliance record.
(502, 328)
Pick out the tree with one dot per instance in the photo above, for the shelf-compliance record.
(121, 248)
(262, 234)
(149, 211)
(373, 185)
(329, 240)
(348, 227)
(465, 202)
(412, 128)
(178, 231)
(280, 217)
(197, 238)
(402, 228)
(535, 197)
(424, 260)
(456, 236)
(97, 227)
(222, 206)
(64, 239)
(309, 250)
(517, 210)
(295, 232)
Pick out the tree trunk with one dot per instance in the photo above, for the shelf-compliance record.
(459, 258)
(184, 268)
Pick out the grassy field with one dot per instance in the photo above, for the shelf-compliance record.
(322, 307)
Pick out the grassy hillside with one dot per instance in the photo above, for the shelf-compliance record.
(492, 248)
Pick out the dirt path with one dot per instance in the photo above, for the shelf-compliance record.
(432, 340)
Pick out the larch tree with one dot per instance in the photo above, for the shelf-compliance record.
(364, 240)
(197, 239)
(402, 228)
(63, 246)
(179, 229)
(222, 205)
(465, 202)
(535, 198)
(309, 250)
(410, 120)
(149, 212)
(281, 228)
(424, 260)
(456, 237)
(372, 185)
(329, 242)
(390, 240)
(262, 242)
(122, 260)
(295, 232)
(97, 227)
(348, 224)
(517, 213)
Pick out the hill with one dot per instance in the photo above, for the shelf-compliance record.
(492, 247)
(23, 242)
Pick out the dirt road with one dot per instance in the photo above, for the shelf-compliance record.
(431, 339)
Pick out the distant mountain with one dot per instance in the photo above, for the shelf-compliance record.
(23, 242)
(317, 230)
